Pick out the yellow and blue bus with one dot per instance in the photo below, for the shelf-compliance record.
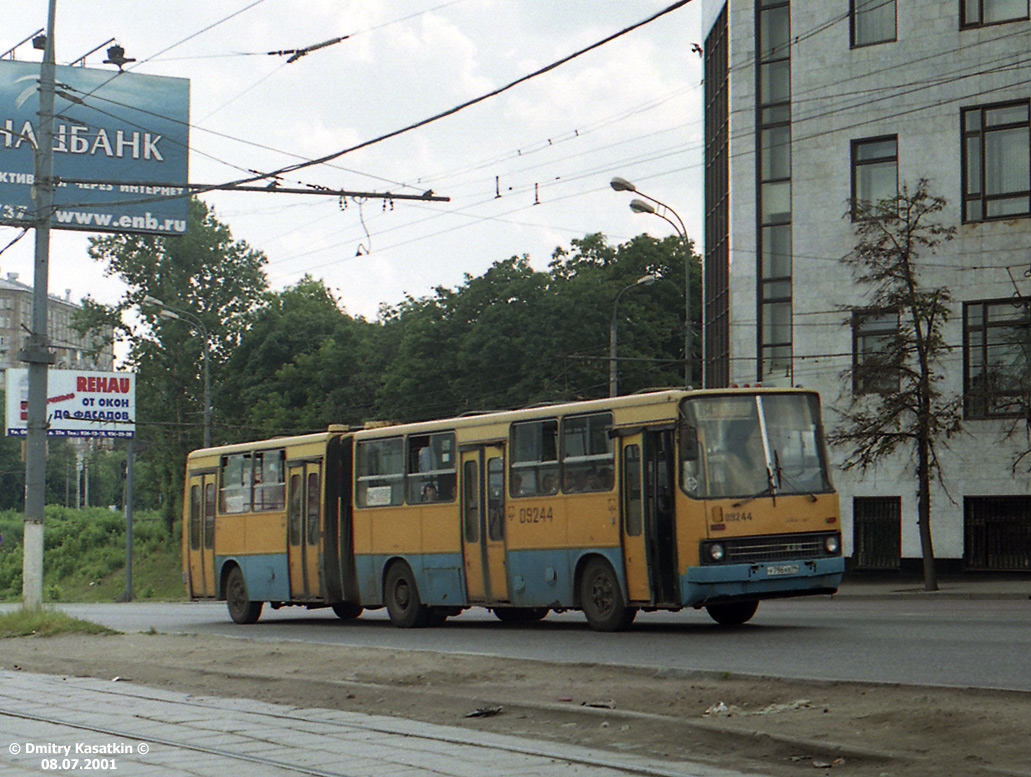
(662, 500)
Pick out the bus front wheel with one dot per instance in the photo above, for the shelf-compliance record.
(241, 608)
(601, 598)
(405, 608)
(732, 613)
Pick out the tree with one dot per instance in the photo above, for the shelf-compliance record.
(911, 412)
(215, 281)
(516, 335)
(302, 365)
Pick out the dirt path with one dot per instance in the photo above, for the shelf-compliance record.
(771, 726)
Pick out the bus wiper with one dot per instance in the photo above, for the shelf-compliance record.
(796, 489)
(783, 479)
(768, 491)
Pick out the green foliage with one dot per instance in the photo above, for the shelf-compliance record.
(293, 361)
(46, 623)
(213, 282)
(84, 555)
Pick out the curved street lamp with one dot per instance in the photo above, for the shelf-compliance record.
(664, 211)
(178, 314)
(646, 280)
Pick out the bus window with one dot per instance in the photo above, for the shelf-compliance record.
(470, 502)
(796, 445)
(431, 468)
(632, 470)
(235, 483)
(270, 480)
(195, 517)
(732, 456)
(380, 472)
(534, 467)
(294, 513)
(209, 515)
(587, 453)
(732, 461)
(495, 499)
(312, 513)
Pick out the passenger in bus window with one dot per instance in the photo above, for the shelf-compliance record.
(429, 493)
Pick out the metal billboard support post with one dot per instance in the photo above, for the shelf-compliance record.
(37, 351)
(129, 453)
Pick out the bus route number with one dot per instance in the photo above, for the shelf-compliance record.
(535, 515)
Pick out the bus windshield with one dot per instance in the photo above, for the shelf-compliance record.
(740, 445)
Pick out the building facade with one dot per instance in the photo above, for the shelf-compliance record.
(811, 105)
(71, 350)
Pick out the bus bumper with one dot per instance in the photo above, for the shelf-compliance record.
(770, 580)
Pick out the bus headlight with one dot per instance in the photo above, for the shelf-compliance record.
(717, 552)
(832, 544)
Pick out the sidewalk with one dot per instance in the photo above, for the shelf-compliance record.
(71, 725)
(959, 587)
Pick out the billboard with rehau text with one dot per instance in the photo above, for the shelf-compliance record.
(127, 133)
(80, 403)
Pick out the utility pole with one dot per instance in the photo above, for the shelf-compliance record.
(37, 346)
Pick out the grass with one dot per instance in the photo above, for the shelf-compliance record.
(84, 557)
(46, 623)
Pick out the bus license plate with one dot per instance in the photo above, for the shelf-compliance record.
(782, 569)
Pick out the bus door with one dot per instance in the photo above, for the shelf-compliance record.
(202, 534)
(659, 500)
(635, 552)
(483, 524)
(304, 528)
(649, 538)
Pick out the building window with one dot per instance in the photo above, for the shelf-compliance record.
(996, 161)
(773, 141)
(977, 13)
(875, 174)
(996, 358)
(997, 533)
(875, 369)
(717, 206)
(876, 532)
(872, 21)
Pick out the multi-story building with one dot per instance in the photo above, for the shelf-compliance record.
(71, 350)
(811, 104)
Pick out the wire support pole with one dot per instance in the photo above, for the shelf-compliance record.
(37, 351)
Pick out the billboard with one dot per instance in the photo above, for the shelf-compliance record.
(129, 131)
(80, 403)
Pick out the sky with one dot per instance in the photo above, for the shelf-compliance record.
(526, 171)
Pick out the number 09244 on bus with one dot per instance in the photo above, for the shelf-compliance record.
(658, 501)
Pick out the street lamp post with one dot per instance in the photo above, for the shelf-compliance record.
(664, 211)
(178, 314)
(646, 280)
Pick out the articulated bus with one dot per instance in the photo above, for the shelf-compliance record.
(655, 501)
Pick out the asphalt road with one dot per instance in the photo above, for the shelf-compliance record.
(965, 643)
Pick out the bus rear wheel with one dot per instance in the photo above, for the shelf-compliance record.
(601, 598)
(241, 608)
(405, 608)
(732, 613)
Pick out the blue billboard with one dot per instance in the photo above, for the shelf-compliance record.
(125, 134)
